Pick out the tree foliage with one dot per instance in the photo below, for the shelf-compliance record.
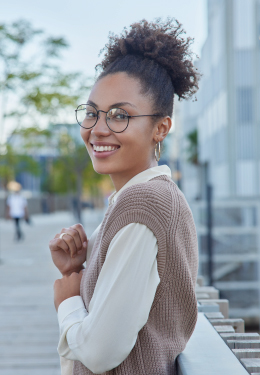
(34, 88)
(12, 163)
(32, 85)
(192, 149)
(71, 170)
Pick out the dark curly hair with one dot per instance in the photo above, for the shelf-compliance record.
(156, 54)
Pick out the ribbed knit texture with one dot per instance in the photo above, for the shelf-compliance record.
(162, 207)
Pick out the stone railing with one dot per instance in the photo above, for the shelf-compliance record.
(219, 345)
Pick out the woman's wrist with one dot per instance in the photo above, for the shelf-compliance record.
(69, 272)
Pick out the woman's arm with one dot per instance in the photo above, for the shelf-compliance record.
(102, 337)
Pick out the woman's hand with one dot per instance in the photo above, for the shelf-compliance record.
(69, 252)
(68, 286)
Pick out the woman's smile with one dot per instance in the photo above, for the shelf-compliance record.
(103, 149)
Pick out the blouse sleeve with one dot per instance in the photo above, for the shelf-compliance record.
(102, 337)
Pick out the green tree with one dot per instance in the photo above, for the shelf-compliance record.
(33, 89)
(67, 171)
(23, 157)
(12, 163)
(192, 149)
(193, 157)
(36, 88)
(32, 139)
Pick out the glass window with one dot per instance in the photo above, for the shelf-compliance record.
(244, 105)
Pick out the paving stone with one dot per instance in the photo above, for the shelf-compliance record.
(29, 331)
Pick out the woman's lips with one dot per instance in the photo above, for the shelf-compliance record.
(103, 154)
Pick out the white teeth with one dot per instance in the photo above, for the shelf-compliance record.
(104, 148)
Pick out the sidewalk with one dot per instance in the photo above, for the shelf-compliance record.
(28, 322)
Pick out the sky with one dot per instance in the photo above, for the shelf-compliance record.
(86, 24)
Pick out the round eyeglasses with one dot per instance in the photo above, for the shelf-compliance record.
(117, 119)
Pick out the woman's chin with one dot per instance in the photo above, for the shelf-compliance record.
(103, 169)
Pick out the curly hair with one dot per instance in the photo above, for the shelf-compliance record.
(156, 54)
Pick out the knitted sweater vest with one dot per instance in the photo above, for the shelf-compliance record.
(162, 207)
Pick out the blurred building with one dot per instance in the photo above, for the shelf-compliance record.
(227, 113)
(227, 118)
(44, 154)
(73, 130)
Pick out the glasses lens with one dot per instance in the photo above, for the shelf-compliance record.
(117, 119)
(86, 115)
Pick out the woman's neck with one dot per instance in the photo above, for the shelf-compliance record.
(120, 179)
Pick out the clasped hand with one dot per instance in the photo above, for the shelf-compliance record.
(68, 254)
(68, 286)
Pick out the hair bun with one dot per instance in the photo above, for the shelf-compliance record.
(162, 42)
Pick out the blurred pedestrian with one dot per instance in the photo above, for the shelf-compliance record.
(134, 307)
(17, 208)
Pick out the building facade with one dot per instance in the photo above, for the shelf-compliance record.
(227, 112)
(227, 118)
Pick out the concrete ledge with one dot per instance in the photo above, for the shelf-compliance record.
(224, 329)
(209, 307)
(251, 364)
(240, 336)
(209, 290)
(243, 344)
(237, 324)
(246, 353)
(223, 305)
(206, 353)
(213, 315)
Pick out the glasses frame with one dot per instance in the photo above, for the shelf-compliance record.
(128, 117)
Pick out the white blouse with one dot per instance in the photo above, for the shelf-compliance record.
(102, 337)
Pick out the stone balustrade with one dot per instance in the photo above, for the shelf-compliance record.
(219, 345)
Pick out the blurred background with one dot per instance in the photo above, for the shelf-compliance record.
(48, 56)
(48, 53)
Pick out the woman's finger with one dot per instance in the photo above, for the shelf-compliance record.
(67, 237)
(58, 244)
(71, 244)
(63, 245)
(76, 237)
(79, 228)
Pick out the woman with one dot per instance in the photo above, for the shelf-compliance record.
(133, 309)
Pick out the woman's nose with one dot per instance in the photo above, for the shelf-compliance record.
(101, 127)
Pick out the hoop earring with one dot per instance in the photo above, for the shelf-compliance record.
(157, 151)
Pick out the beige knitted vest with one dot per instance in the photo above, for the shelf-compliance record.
(162, 207)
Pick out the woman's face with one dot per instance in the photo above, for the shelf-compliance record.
(134, 146)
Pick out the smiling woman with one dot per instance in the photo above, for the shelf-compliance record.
(133, 309)
(132, 133)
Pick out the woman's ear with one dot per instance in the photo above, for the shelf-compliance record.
(162, 128)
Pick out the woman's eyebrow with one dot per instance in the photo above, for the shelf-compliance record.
(120, 104)
(92, 103)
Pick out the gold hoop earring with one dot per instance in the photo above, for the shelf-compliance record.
(156, 152)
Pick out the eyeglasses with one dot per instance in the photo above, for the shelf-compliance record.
(117, 119)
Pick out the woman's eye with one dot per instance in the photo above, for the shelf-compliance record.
(91, 114)
(121, 117)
